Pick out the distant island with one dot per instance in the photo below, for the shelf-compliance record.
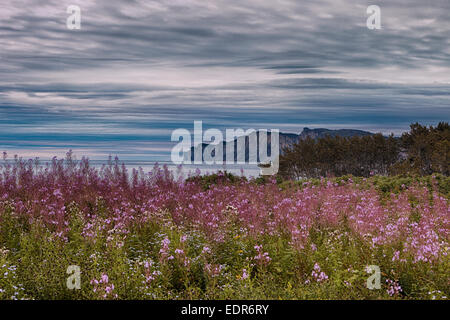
(287, 140)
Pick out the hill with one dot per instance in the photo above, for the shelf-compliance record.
(287, 140)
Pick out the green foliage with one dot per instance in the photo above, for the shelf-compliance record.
(428, 150)
(336, 156)
(386, 185)
(206, 181)
(421, 151)
(395, 184)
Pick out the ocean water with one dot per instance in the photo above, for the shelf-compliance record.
(247, 170)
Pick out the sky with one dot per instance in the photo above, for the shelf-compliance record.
(137, 70)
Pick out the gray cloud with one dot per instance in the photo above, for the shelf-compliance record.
(138, 69)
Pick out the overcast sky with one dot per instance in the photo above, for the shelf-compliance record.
(136, 70)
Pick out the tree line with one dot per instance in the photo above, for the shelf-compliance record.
(423, 151)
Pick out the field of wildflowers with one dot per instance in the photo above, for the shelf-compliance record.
(137, 235)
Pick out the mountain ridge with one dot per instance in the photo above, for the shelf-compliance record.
(286, 140)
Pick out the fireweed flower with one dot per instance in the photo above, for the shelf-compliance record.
(181, 256)
(213, 270)
(164, 251)
(148, 273)
(57, 193)
(394, 287)
(317, 274)
(261, 258)
(206, 250)
(103, 288)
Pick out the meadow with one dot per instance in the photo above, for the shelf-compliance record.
(146, 235)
